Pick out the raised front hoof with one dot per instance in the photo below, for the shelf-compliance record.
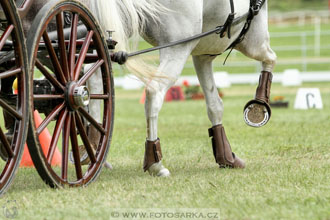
(237, 164)
(157, 169)
(256, 113)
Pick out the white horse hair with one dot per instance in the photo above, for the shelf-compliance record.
(128, 19)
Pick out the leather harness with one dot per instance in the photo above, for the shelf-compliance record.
(223, 30)
(255, 6)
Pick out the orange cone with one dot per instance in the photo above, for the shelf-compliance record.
(143, 97)
(45, 139)
(175, 93)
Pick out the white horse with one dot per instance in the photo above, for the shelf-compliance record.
(176, 20)
(163, 21)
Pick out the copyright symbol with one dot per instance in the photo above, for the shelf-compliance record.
(10, 210)
(114, 214)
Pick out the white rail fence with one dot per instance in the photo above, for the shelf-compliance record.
(224, 80)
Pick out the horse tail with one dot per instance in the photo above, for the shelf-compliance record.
(127, 18)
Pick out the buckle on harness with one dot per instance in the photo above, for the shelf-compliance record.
(255, 10)
(226, 28)
(256, 7)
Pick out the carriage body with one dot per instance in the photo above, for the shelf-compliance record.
(53, 68)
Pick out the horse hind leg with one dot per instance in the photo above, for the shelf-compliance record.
(172, 61)
(257, 112)
(221, 148)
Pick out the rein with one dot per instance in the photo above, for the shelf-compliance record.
(255, 6)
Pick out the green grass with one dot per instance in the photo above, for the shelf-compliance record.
(287, 174)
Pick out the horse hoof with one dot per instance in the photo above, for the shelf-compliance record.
(157, 169)
(164, 173)
(239, 163)
(108, 165)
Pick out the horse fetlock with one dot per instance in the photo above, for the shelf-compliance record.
(221, 149)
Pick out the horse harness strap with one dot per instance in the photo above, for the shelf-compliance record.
(255, 6)
(227, 26)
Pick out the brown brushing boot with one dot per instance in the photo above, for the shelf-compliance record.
(152, 159)
(257, 112)
(94, 137)
(222, 150)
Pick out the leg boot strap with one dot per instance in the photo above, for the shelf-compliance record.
(263, 90)
(221, 148)
(153, 153)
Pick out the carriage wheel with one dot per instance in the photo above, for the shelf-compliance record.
(13, 107)
(63, 98)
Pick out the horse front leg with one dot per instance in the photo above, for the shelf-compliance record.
(256, 45)
(172, 61)
(221, 148)
(257, 112)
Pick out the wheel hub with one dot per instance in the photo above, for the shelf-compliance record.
(77, 96)
(81, 96)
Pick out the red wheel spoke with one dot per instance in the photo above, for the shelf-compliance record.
(10, 110)
(6, 144)
(65, 148)
(49, 118)
(73, 44)
(6, 35)
(83, 54)
(56, 135)
(92, 120)
(75, 148)
(57, 66)
(62, 45)
(10, 73)
(99, 96)
(84, 138)
(91, 58)
(48, 75)
(47, 97)
(90, 72)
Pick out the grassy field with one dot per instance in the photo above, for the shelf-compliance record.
(287, 174)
